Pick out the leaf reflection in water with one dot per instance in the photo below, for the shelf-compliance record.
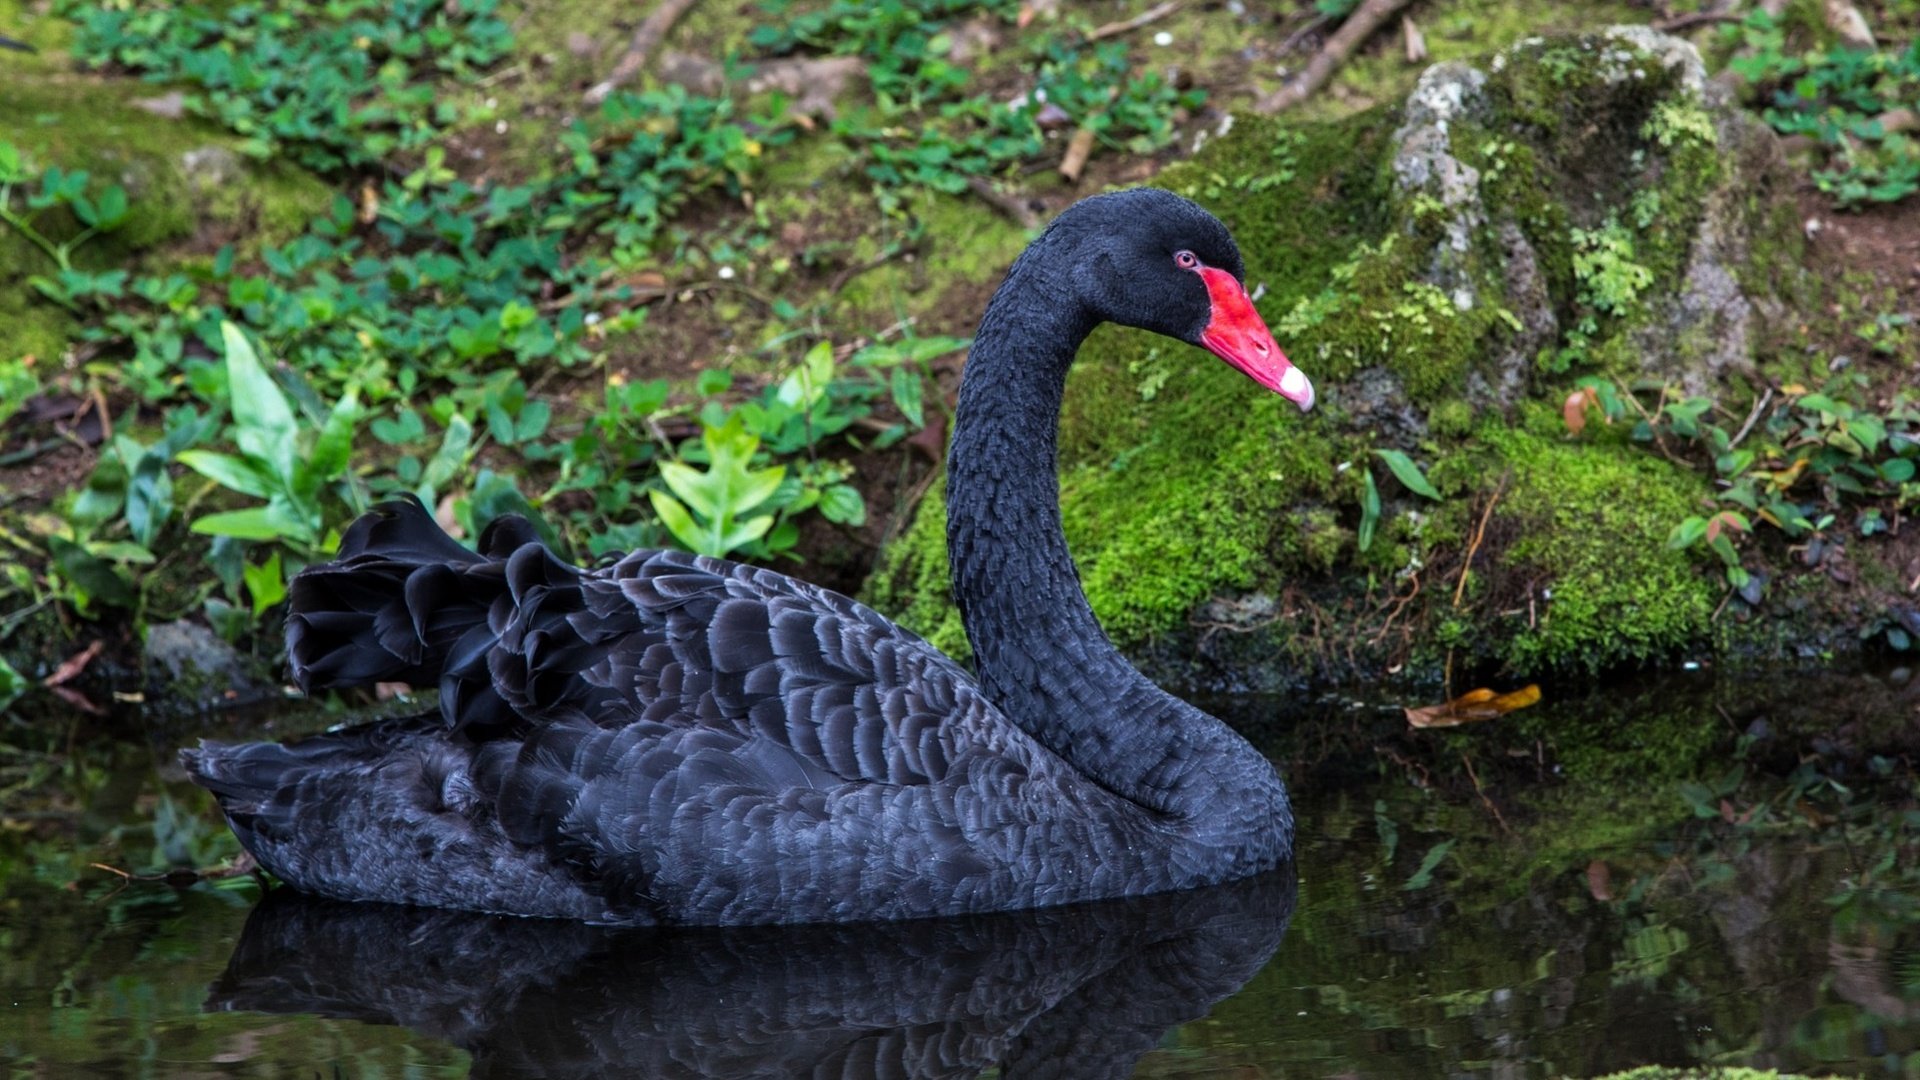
(1080, 992)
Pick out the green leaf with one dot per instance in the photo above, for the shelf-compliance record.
(448, 461)
(12, 683)
(332, 449)
(1424, 876)
(92, 575)
(262, 419)
(1896, 470)
(1409, 474)
(908, 395)
(10, 171)
(678, 522)
(843, 505)
(266, 584)
(1687, 533)
(229, 472)
(1369, 511)
(808, 383)
(252, 523)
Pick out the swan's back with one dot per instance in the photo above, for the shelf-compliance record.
(669, 738)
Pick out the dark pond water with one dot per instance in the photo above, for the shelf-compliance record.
(1766, 918)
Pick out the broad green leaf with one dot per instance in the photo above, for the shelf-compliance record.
(229, 472)
(332, 449)
(843, 505)
(125, 551)
(1409, 474)
(743, 533)
(808, 383)
(1896, 470)
(149, 495)
(10, 170)
(249, 524)
(908, 395)
(266, 584)
(262, 420)
(1687, 533)
(1424, 876)
(678, 522)
(92, 575)
(448, 461)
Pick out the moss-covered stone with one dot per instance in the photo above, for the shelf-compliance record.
(1442, 269)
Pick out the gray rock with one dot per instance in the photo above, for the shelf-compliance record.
(190, 653)
(209, 167)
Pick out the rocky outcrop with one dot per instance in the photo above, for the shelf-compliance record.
(1444, 269)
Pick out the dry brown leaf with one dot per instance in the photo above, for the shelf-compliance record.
(1472, 706)
(1599, 880)
(74, 665)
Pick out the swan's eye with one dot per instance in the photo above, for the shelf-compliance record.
(1185, 260)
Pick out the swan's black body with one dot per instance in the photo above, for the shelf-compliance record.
(675, 739)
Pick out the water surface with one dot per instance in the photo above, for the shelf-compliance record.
(1751, 918)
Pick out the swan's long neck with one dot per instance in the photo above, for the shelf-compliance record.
(1042, 657)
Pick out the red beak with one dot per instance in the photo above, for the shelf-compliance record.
(1239, 336)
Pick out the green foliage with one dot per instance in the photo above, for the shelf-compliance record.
(1806, 459)
(95, 210)
(713, 510)
(1837, 95)
(293, 469)
(1610, 284)
(924, 131)
(335, 84)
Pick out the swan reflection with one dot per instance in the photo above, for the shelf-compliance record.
(1063, 992)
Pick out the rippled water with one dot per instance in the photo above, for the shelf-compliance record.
(1427, 937)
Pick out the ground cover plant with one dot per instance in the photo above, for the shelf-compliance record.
(626, 317)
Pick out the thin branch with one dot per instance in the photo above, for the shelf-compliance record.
(1480, 791)
(1010, 205)
(646, 38)
(1152, 14)
(1358, 27)
(1473, 548)
(1693, 20)
(1765, 396)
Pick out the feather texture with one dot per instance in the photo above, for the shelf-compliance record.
(674, 738)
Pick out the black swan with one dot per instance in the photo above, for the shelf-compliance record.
(1074, 992)
(674, 739)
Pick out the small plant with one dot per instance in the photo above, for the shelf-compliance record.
(1805, 460)
(336, 84)
(1837, 96)
(97, 212)
(723, 507)
(293, 468)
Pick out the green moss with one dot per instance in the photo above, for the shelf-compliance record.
(59, 117)
(1592, 519)
(912, 582)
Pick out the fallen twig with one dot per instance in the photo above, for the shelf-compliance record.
(1306, 31)
(646, 38)
(1693, 20)
(1152, 14)
(1473, 547)
(1357, 28)
(1010, 205)
(1079, 148)
(1480, 791)
(1766, 395)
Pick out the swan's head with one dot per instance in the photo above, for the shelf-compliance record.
(1151, 259)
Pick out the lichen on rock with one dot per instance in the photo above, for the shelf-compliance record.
(1443, 269)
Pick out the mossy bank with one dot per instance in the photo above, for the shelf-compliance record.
(1445, 269)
